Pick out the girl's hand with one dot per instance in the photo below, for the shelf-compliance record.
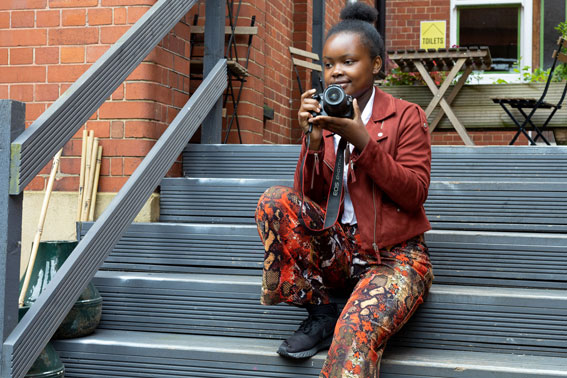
(353, 130)
(308, 105)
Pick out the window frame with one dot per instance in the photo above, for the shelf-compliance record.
(525, 34)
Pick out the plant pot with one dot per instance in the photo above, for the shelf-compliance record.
(85, 315)
(48, 364)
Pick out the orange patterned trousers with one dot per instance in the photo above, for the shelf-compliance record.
(302, 267)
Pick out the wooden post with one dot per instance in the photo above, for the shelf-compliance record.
(12, 117)
(211, 128)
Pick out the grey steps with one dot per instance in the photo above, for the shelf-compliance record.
(522, 321)
(193, 289)
(479, 163)
(454, 205)
(137, 354)
(459, 257)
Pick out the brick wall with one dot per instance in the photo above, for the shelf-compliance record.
(45, 45)
(479, 137)
(269, 66)
(272, 80)
(403, 19)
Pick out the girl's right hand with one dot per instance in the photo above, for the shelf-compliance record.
(308, 105)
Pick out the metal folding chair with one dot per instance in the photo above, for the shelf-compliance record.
(521, 104)
(237, 68)
(305, 59)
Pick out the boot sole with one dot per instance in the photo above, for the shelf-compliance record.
(325, 344)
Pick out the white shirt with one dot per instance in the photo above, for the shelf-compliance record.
(349, 217)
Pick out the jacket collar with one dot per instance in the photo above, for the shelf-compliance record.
(383, 107)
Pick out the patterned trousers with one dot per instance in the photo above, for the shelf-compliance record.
(301, 267)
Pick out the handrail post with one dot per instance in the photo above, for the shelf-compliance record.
(211, 129)
(12, 123)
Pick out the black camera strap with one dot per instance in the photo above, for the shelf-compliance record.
(335, 189)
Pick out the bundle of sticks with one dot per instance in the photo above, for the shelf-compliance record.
(91, 156)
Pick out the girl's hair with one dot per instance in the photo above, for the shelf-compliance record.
(359, 18)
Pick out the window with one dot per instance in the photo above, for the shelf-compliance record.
(496, 27)
(505, 26)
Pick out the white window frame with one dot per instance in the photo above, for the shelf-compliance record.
(526, 15)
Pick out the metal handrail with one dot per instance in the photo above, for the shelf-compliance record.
(35, 146)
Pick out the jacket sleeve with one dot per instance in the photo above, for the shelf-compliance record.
(313, 179)
(403, 177)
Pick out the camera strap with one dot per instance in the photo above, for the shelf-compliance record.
(335, 189)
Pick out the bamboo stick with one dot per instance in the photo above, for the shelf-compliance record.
(82, 175)
(95, 184)
(88, 154)
(90, 178)
(41, 222)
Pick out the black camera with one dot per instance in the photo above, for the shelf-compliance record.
(335, 102)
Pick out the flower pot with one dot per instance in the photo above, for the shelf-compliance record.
(85, 315)
(48, 364)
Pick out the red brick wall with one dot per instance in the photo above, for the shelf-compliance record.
(403, 19)
(272, 83)
(269, 82)
(479, 137)
(45, 45)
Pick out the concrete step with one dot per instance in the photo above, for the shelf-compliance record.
(522, 321)
(449, 163)
(533, 260)
(451, 205)
(137, 354)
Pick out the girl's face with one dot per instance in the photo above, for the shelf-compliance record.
(347, 62)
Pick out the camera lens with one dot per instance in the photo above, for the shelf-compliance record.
(336, 102)
(334, 95)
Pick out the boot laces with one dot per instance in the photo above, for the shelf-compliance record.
(312, 322)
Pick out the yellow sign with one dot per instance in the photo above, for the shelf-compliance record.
(432, 35)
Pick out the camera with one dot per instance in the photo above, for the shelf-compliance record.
(335, 102)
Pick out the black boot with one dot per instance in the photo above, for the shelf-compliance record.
(314, 334)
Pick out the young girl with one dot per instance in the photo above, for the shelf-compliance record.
(376, 249)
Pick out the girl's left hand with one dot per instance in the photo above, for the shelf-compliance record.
(353, 130)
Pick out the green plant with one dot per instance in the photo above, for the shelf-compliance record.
(562, 28)
(397, 77)
(537, 76)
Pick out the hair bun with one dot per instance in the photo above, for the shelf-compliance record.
(359, 11)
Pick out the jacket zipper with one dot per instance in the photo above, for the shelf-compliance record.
(316, 170)
(374, 245)
(352, 175)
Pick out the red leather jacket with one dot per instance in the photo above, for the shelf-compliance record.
(388, 181)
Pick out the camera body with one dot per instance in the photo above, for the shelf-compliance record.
(335, 102)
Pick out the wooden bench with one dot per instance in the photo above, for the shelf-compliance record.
(308, 60)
